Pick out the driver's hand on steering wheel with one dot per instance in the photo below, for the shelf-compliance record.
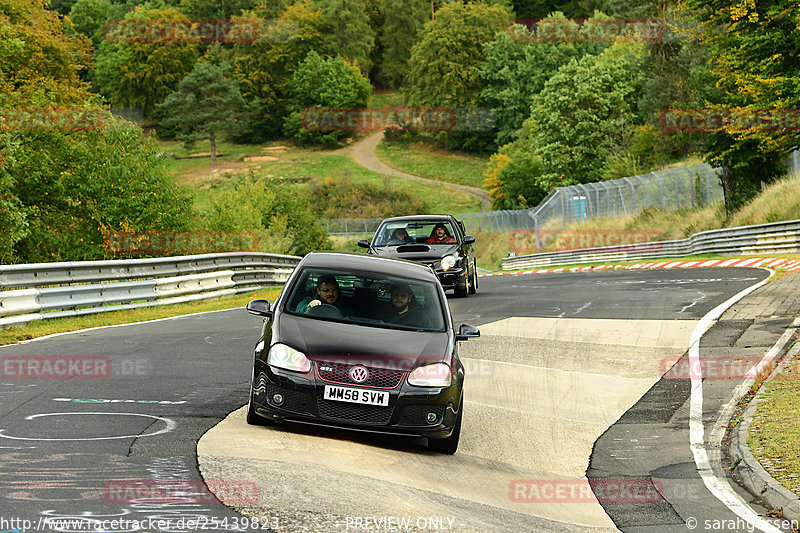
(314, 303)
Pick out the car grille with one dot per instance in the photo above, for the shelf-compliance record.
(415, 415)
(379, 378)
(368, 414)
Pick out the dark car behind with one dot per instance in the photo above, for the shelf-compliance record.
(454, 262)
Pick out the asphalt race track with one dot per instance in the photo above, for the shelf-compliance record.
(566, 377)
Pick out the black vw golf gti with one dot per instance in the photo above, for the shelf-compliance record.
(361, 342)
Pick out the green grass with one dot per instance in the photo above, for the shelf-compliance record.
(301, 165)
(434, 163)
(775, 431)
(40, 328)
(382, 99)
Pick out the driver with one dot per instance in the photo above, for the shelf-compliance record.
(440, 235)
(327, 293)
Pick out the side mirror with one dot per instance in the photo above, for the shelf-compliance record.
(469, 239)
(465, 331)
(363, 243)
(260, 308)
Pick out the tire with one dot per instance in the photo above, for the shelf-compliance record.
(473, 287)
(462, 292)
(449, 445)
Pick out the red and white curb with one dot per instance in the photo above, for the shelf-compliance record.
(790, 265)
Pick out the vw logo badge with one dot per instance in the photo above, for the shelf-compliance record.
(359, 374)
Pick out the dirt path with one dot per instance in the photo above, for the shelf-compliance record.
(363, 152)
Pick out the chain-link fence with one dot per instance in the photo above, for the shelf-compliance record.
(670, 189)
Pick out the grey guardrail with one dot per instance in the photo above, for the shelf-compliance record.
(777, 237)
(54, 290)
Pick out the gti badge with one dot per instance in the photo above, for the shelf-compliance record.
(359, 374)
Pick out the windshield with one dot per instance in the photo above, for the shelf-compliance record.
(367, 299)
(418, 232)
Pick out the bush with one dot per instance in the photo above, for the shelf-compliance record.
(76, 186)
(323, 84)
(276, 211)
(363, 200)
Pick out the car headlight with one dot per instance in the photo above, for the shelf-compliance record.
(449, 261)
(435, 375)
(287, 358)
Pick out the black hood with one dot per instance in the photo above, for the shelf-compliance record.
(417, 252)
(321, 340)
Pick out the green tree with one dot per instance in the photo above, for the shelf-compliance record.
(38, 70)
(516, 69)
(136, 73)
(77, 186)
(89, 16)
(264, 67)
(753, 50)
(320, 84)
(446, 61)
(581, 117)
(347, 30)
(403, 19)
(206, 103)
(278, 212)
(224, 9)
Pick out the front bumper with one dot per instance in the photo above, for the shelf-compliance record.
(303, 402)
(451, 278)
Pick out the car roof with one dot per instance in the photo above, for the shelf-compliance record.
(369, 263)
(433, 218)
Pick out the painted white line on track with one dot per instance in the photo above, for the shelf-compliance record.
(717, 485)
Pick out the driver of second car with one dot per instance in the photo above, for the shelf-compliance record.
(327, 293)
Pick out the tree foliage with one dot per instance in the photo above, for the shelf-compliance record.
(446, 60)
(140, 74)
(206, 103)
(403, 19)
(278, 212)
(347, 31)
(753, 50)
(581, 117)
(325, 84)
(75, 187)
(516, 69)
(265, 67)
(89, 16)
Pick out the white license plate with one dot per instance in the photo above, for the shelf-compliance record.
(362, 396)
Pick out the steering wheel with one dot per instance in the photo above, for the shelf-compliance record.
(324, 311)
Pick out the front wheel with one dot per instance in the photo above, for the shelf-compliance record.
(462, 288)
(473, 287)
(253, 418)
(448, 445)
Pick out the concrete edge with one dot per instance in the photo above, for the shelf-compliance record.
(752, 476)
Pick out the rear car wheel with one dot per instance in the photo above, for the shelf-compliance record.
(448, 445)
